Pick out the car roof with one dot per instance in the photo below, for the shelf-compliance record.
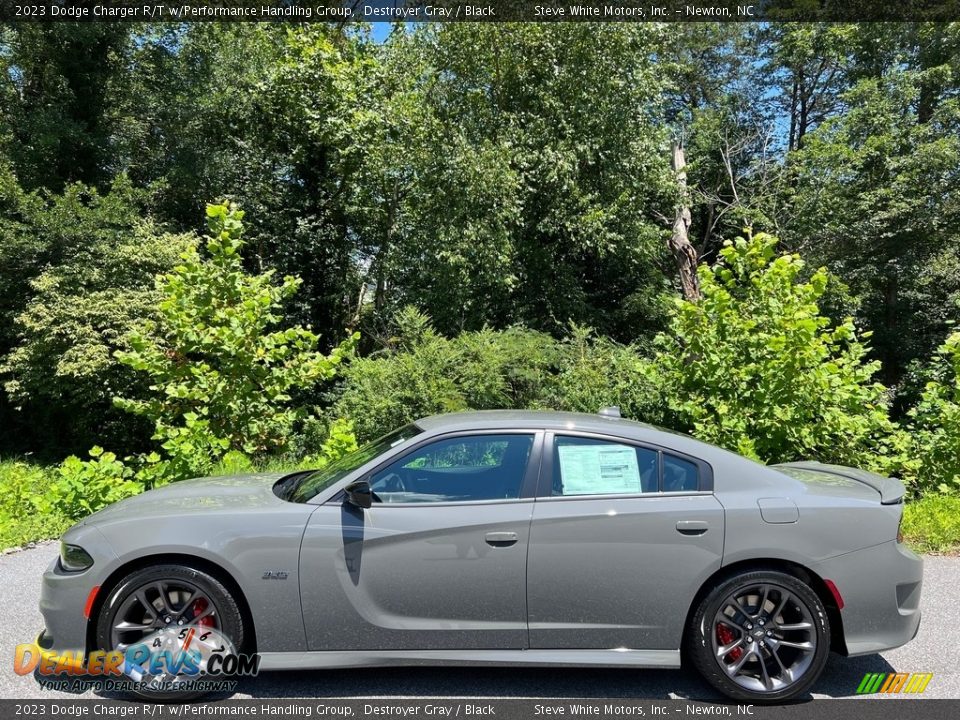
(544, 419)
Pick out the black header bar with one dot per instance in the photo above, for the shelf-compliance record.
(341, 11)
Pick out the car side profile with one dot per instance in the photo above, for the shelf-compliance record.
(509, 538)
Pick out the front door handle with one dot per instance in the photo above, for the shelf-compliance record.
(692, 527)
(501, 539)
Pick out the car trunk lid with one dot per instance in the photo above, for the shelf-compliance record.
(891, 489)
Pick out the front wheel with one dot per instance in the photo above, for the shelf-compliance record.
(156, 615)
(761, 636)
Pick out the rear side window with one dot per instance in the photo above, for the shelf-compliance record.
(679, 475)
(585, 466)
(591, 466)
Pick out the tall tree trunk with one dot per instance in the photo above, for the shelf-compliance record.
(792, 139)
(683, 251)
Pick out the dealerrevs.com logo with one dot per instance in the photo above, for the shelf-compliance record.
(175, 659)
(892, 683)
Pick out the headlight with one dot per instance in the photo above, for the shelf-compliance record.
(74, 558)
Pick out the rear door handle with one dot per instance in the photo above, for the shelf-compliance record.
(692, 527)
(501, 539)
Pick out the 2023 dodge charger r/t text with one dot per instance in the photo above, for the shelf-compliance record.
(501, 537)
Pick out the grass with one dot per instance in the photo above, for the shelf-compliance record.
(932, 525)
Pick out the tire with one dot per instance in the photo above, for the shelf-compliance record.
(770, 655)
(220, 612)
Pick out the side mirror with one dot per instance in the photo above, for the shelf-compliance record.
(359, 494)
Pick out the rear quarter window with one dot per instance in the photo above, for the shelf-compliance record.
(679, 475)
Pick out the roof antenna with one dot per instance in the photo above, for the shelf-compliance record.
(613, 411)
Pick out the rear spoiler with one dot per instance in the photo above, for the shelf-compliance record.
(891, 490)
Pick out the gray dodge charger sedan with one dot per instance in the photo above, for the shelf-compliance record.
(523, 538)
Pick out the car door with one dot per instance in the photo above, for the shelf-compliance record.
(438, 561)
(622, 537)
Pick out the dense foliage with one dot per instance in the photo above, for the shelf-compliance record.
(221, 374)
(421, 372)
(756, 367)
(933, 460)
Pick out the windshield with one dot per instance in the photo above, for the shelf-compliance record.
(308, 485)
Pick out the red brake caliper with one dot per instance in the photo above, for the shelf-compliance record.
(725, 636)
(198, 607)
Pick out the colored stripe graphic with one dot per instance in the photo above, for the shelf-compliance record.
(891, 683)
(894, 682)
(924, 680)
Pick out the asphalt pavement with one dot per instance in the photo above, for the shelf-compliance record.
(935, 650)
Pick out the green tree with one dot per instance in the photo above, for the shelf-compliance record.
(522, 177)
(222, 375)
(63, 373)
(272, 117)
(51, 246)
(58, 123)
(755, 367)
(875, 188)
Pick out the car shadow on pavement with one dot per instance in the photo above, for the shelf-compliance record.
(843, 675)
(489, 682)
(840, 678)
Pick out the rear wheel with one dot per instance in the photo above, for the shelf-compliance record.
(169, 608)
(761, 636)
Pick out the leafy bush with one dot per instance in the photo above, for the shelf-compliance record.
(933, 457)
(595, 372)
(220, 374)
(73, 267)
(932, 523)
(82, 487)
(340, 441)
(423, 373)
(24, 517)
(755, 367)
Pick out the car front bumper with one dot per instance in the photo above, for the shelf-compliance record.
(880, 587)
(64, 595)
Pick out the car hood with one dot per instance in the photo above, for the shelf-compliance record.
(845, 480)
(228, 492)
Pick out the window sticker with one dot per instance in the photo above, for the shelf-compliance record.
(599, 469)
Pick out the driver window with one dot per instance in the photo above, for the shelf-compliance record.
(461, 469)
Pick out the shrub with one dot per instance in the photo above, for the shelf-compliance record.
(83, 487)
(340, 441)
(221, 374)
(63, 370)
(595, 372)
(932, 524)
(76, 270)
(933, 460)
(423, 373)
(23, 515)
(755, 367)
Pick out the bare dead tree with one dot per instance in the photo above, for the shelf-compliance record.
(683, 251)
(751, 190)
